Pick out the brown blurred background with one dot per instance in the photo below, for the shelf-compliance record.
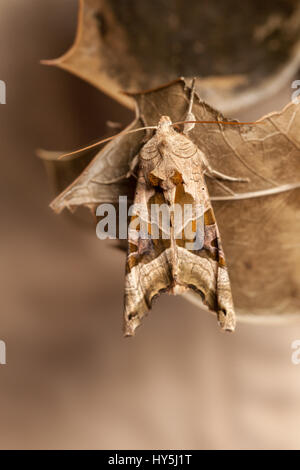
(71, 379)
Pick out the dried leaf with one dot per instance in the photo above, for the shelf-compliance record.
(120, 45)
(260, 234)
(63, 172)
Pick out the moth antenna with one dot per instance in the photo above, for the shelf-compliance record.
(104, 140)
(237, 123)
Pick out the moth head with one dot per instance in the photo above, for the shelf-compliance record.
(164, 123)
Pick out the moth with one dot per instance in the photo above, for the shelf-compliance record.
(171, 164)
(171, 172)
(186, 252)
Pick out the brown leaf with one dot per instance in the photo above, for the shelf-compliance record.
(121, 45)
(63, 172)
(260, 233)
(110, 163)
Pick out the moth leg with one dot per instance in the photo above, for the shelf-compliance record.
(209, 171)
(131, 172)
(189, 115)
(221, 176)
(223, 186)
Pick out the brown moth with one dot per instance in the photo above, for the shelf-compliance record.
(171, 173)
(267, 153)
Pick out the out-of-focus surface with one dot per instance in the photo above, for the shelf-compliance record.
(71, 379)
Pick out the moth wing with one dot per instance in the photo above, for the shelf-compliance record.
(200, 256)
(202, 268)
(148, 265)
(156, 265)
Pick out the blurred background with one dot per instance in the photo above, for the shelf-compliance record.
(71, 379)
